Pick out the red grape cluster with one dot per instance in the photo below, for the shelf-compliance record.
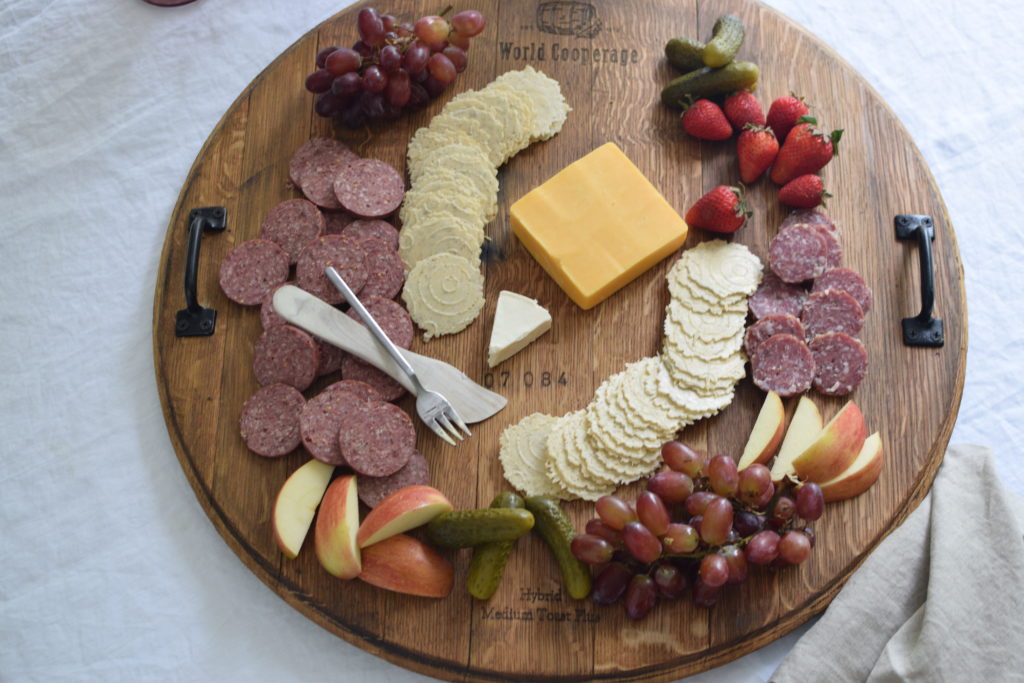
(699, 525)
(393, 66)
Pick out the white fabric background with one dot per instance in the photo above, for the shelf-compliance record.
(111, 571)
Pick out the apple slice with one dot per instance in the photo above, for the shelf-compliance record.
(766, 435)
(803, 428)
(403, 564)
(336, 527)
(834, 448)
(860, 475)
(296, 504)
(406, 508)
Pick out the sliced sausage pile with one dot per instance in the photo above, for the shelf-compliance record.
(350, 422)
(809, 311)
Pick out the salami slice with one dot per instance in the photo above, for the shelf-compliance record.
(374, 229)
(831, 311)
(337, 221)
(352, 368)
(815, 216)
(369, 188)
(840, 363)
(293, 224)
(285, 355)
(833, 247)
(252, 269)
(317, 147)
(783, 364)
(769, 326)
(270, 420)
(798, 254)
(339, 251)
(391, 317)
(846, 280)
(376, 438)
(372, 490)
(385, 271)
(268, 316)
(330, 357)
(320, 421)
(775, 297)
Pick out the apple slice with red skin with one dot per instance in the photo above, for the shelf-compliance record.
(337, 524)
(403, 564)
(860, 475)
(803, 428)
(404, 509)
(296, 505)
(767, 433)
(834, 448)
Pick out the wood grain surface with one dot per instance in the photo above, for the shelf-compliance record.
(611, 69)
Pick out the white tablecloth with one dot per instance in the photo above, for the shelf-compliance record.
(111, 571)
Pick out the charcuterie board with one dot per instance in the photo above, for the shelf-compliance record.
(608, 59)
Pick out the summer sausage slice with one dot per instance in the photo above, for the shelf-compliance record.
(268, 316)
(831, 311)
(392, 318)
(375, 228)
(339, 251)
(270, 420)
(769, 326)
(840, 363)
(360, 389)
(775, 297)
(320, 421)
(783, 364)
(372, 490)
(833, 247)
(798, 254)
(376, 438)
(318, 175)
(285, 355)
(369, 188)
(252, 269)
(330, 357)
(293, 224)
(353, 368)
(385, 271)
(316, 147)
(816, 216)
(846, 280)
(337, 221)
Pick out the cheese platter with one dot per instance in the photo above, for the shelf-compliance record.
(608, 62)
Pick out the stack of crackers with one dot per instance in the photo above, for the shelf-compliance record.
(617, 438)
(453, 166)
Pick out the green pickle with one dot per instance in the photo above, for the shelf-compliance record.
(708, 82)
(465, 528)
(726, 39)
(557, 531)
(685, 54)
(489, 559)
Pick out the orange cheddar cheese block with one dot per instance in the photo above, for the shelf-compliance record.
(596, 225)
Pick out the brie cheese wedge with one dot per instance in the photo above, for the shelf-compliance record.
(518, 320)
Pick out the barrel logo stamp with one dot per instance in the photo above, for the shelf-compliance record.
(540, 605)
(568, 18)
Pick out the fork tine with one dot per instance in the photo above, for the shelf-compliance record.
(434, 427)
(442, 418)
(454, 417)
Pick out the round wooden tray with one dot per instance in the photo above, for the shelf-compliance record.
(608, 58)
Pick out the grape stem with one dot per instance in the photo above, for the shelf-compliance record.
(446, 10)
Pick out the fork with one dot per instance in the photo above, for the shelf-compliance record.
(433, 408)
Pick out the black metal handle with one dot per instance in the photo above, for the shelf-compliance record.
(195, 320)
(922, 329)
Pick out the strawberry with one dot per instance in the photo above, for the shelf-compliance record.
(784, 113)
(756, 148)
(704, 120)
(806, 150)
(804, 192)
(743, 107)
(723, 209)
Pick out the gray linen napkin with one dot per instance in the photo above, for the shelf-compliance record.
(940, 599)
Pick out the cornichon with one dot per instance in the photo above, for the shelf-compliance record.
(489, 559)
(465, 528)
(707, 82)
(726, 39)
(558, 532)
(685, 54)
